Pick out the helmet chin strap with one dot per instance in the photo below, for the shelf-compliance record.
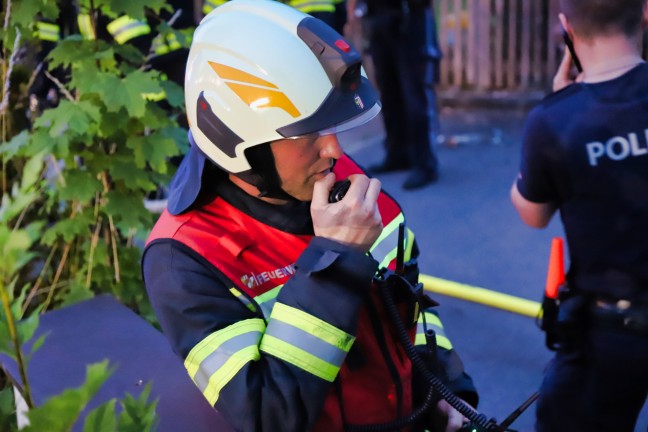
(264, 175)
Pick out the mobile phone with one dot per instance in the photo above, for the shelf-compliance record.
(338, 190)
(570, 47)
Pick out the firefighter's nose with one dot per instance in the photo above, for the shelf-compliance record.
(330, 147)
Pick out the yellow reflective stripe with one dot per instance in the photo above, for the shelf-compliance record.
(47, 31)
(126, 28)
(313, 325)
(243, 299)
(306, 341)
(300, 358)
(308, 6)
(267, 300)
(442, 341)
(154, 97)
(213, 362)
(224, 375)
(434, 323)
(163, 45)
(409, 244)
(85, 27)
(384, 248)
(210, 5)
(431, 318)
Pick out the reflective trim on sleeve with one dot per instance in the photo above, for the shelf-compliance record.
(434, 323)
(309, 6)
(384, 249)
(306, 341)
(267, 300)
(214, 361)
(163, 45)
(210, 5)
(243, 299)
(126, 28)
(85, 27)
(47, 31)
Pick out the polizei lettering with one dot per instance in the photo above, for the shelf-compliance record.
(617, 148)
(254, 280)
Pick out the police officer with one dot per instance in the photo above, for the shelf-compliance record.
(585, 155)
(402, 44)
(264, 288)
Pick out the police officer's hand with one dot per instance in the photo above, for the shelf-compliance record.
(564, 75)
(355, 220)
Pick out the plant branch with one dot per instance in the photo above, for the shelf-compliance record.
(113, 238)
(59, 270)
(22, 366)
(7, 78)
(34, 290)
(60, 86)
(93, 246)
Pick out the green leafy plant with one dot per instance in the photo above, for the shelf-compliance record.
(72, 183)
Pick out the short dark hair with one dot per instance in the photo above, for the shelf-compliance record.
(603, 17)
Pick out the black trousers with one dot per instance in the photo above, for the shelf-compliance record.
(601, 388)
(400, 50)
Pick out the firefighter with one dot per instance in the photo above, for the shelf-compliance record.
(324, 10)
(585, 154)
(268, 292)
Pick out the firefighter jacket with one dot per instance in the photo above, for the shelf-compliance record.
(279, 329)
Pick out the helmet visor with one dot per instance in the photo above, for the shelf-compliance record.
(353, 123)
(341, 110)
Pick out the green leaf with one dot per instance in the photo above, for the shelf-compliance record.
(14, 146)
(174, 93)
(102, 418)
(75, 51)
(77, 292)
(24, 11)
(60, 412)
(80, 185)
(138, 414)
(7, 410)
(155, 149)
(41, 141)
(75, 116)
(127, 209)
(32, 171)
(11, 205)
(135, 8)
(26, 327)
(124, 169)
(68, 229)
(15, 246)
(126, 92)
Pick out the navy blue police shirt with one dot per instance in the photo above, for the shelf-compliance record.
(585, 149)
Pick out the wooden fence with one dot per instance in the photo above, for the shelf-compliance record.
(490, 45)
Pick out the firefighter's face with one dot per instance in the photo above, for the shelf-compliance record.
(301, 162)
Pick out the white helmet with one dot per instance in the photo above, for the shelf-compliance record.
(260, 71)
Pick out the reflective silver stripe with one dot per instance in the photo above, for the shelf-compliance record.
(210, 365)
(267, 300)
(306, 341)
(243, 299)
(299, 349)
(384, 249)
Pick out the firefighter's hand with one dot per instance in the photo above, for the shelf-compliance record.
(450, 420)
(353, 221)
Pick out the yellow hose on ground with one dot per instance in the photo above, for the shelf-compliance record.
(480, 295)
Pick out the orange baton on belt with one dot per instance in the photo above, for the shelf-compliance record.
(556, 270)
